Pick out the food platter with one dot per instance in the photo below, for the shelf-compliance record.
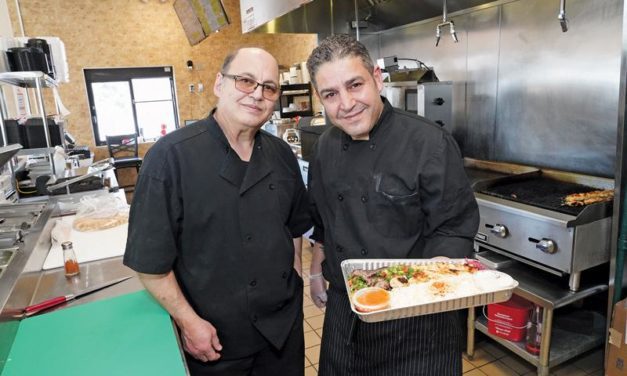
(476, 286)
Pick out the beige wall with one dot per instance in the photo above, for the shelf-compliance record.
(5, 22)
(130, 33)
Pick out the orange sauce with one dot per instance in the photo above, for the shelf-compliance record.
(373, 298)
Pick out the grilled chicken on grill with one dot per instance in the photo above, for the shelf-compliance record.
(582, 199)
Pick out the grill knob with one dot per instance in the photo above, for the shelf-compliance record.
(499, 230)
(547, 246)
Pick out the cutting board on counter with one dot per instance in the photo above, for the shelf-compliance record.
(127, 335)
(90, 245)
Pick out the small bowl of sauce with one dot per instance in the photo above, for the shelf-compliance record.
(371, 299)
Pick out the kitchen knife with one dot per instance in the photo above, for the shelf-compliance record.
(35, 308)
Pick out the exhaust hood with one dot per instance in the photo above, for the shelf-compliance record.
(327, 17)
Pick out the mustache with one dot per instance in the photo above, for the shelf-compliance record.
(358, 108)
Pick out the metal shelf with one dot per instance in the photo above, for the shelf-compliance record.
(545, 290)
(565, 345)
(288, 93)
(7, 152)
(295, 92)
(36, 151)
(38, 81)
(27, 79)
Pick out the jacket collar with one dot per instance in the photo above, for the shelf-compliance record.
(258, 167)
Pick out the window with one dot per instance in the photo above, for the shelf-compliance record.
(139, 101)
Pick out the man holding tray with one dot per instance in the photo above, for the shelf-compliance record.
(383, 183)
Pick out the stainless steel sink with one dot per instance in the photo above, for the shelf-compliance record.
(5, 258)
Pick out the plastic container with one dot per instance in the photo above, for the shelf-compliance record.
(509, 319)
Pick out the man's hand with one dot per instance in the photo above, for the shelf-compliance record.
(317, 284)
(200, 340)
(318, 290)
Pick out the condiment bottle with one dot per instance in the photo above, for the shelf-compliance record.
(69, 259)
(534, 331)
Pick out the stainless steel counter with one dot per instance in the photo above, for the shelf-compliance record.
(35, 238)
(35, 287)
(25, 283)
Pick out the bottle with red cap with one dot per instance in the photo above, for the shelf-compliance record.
(534, 331)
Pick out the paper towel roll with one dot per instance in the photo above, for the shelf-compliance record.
(305, 72)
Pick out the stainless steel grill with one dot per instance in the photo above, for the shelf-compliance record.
(523, 217)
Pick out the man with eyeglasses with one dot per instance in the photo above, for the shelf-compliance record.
(215, 227)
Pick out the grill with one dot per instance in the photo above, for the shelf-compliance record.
(524, 218)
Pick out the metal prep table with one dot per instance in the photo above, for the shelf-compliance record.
(557, 346)
(27, 283)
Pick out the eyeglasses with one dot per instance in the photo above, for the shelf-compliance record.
(248, 85)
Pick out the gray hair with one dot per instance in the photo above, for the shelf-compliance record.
(337, 47)
(228, 60)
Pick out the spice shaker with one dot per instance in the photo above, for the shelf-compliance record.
(69, 259)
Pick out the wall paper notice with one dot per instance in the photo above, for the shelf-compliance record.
(255, 13)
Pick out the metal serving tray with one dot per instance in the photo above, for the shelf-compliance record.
(419, 309)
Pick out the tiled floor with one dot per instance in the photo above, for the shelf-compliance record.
(490, 358)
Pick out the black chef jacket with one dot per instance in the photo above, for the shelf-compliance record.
(226, 229)
(401, 194)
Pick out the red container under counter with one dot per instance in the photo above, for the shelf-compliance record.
(509, 319)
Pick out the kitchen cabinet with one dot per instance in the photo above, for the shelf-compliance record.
(295, 100)
(558, 344)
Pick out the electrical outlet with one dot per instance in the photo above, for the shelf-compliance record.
(191, 88)
(201, 87)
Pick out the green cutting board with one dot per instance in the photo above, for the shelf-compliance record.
(126, 335)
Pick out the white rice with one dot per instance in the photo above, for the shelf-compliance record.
(459, 286)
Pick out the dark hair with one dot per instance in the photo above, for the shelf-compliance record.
(228, 60)
(337, 47)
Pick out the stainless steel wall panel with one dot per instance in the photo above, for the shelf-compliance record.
(371, 41)
(558, 92)
(448, 60)
(524, 91)
(481, 83)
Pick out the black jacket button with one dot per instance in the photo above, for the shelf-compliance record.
(364, 199)
(253, 283)
(345, 147)
(340, 197)
(339, 248)
(271, 186)
(373, 146)
(249, 237)
(284, 275)
(364, 251)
